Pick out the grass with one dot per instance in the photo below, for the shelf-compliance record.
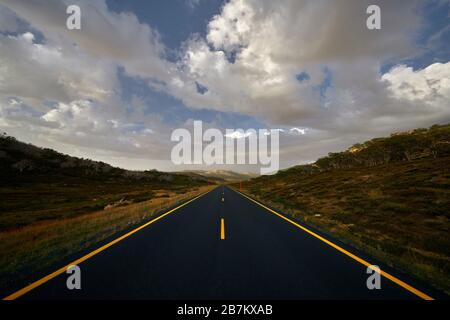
(48, 198)
(30, 250)
(398, 212)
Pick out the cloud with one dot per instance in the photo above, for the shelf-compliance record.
(61, 88)
(303, 31)
(69, 100)
(253, 52)
(104, 34)
(38, 72)
(298, 131)
(238, 135)
(430, 85)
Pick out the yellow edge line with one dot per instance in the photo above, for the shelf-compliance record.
(222, 229)
(52, 275)
(347, 253)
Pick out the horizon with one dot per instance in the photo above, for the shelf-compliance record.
(218, 168)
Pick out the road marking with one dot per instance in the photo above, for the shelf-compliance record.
(222, 229)
(56, 273)
(396, 280)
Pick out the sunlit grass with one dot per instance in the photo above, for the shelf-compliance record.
(29, 250)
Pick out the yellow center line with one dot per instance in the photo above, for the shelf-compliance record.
(222, 229)
(347, 253)
(56, 273)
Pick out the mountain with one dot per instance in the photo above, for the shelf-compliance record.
(221, 175)
(389, 196)
(21, 161)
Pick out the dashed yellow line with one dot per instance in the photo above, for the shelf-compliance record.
(222, 229)
(347, 253)
(56, 273)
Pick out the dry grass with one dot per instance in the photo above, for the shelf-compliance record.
(428, 265)
(29, 250)
(398, 213)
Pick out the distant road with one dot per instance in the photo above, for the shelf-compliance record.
(223, 245)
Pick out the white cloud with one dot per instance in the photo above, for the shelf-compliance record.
(230, 30)
(106, 35)
(69, 100)
(254, 50)
(430, 85)
(64, 91)
(298, 131)
(38, 72)
(238, 135)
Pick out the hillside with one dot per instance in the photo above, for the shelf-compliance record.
(24, 161)
(221, 176)
(42, 184)
(389, 196)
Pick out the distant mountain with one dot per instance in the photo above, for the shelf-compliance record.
(389, 196)
(221, 175)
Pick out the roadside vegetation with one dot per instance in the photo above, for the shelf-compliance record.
(38, 184)
(388, 196)
(54, 206)
(29, 251)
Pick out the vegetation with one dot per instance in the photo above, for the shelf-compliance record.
(41, 184)
(388, 196)
(55, 206)
(221, 176)
(37, 249)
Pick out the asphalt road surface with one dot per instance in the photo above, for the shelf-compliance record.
(223, 249)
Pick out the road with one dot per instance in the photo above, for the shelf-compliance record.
(222, 249)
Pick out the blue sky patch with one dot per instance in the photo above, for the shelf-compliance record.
(303, 76)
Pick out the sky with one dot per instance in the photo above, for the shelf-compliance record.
(115, 90)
